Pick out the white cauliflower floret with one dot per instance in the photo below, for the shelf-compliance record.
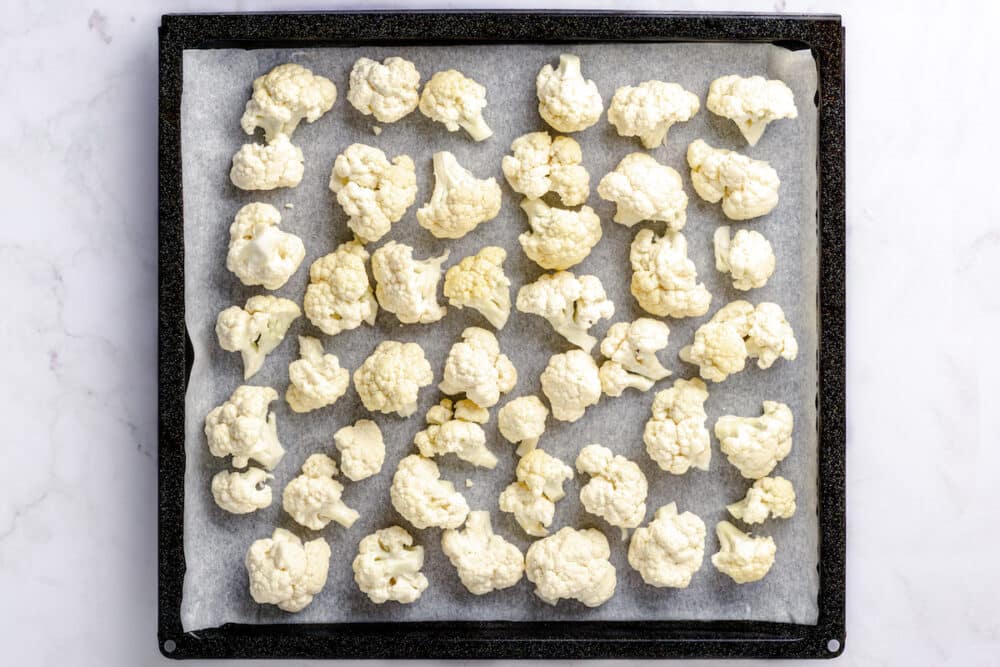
(242, 492)
(244, 428)
(266, 167)
(313, 498)
(285, 572)
(572, 383)
(756, 445)
(669, 550)
(615, 379)
(478, 281)
(748, 257)
(256, 329)
(392, 376)
(617, 488)
(532, 498)
(634, 345)
(454, 99)
(460, 202)
(387, 90)
(284, 97)
(373, 192)
(748, 188)
(751, 103)
(565, 100)
(476, 368)
(742, 557)
(317, 380)
(650, 109)
(770, 336)
(485, 561)
(407, 286)
(675, 436)
(456, 430)
(424, 499)
(541, 164)
(259, 252)
(572, 305)
(387, 566)
(572, 564)
(362, 449)
(559, 238)
(644, 189)
(774, 496)
(664, 280)
(339, 296)
(523, 421)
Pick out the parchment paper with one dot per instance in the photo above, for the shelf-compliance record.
(217, 84)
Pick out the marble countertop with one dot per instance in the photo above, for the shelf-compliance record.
(78, 260)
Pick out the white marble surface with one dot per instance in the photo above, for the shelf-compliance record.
(78, 263)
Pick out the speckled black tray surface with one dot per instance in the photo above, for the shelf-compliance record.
(824, 35)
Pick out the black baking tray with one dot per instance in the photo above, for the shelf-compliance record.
(823, 34)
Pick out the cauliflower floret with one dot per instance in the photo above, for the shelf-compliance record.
(424, 499)
(634, 346)
(617, 488)
(675, 436)
(244, 428)
(571, 305)
(407, 286)
(559, 238)
(670, 549)
(476, 368)
(454, 99)
(259, 252)
(387, 566)
(456, 431)
(770, 336)
(392, 376)
(523, 421)
(256, 329)
(748, 257)
(572, 383)
(485, 561)
(615, 379)
(242, 492)
(748, 188)
(572, 564)
(742, 557)
(362, 450)
(664, 280)
(532, 498)
(317, 380)
(460, 201)
(541, 164)
(565, 100)
(387, 90)
(650, 109)
(285, 572)
(751, 103)
(478, 281)
(768, 495)
(373, 192)
(339, 297)
(644, 189)
(266, 167)
(756, 445)
(313, 498)
(284, 97)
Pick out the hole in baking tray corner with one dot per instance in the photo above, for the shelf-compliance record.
(833, 645)
(170, 646)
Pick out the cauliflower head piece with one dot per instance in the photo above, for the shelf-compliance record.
(460, 201)
(522, 421)
(644, 189)
(388, 565)
(256, 329)
(559, 238)
(669, 550)
(259, 252)
(650, 109)
(572, 564)
(615, 379)
(457, 101)
(476, 368)
(386, 90)
(541, 164)
(747, 257)
(456, 429)
(313, 498)
(391, 377)
(485, 561)
(532, 498)
(478, 281)
(424, 499)
(317, 380)
(634, 345)
(284, 97)
(362, 449)
(278, 164)
(572, 305)
(405, 286)
(755, 445)
(566, 101)
(774, 496)
(675, 436)
(285, 572)
(373, 191)
(751, 103)
(242, 492)
(243, 428)
(572, 383)
(664, 280)
(617, 488)
(748, 188)
(770, 336)
(339, 296)
(743, 558)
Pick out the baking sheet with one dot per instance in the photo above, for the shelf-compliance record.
(216, 86)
